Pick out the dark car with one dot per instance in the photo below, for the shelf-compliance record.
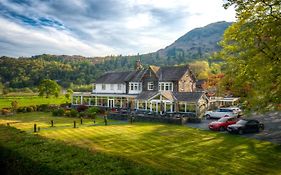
(222, 123)
(245, 126)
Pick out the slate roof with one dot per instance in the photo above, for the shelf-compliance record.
(173, 73)
(169, 73)
(145, 95)
(113, 77)
(136, 76)
(188, 96)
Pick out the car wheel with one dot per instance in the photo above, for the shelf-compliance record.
(208, 116)
(222, 128)
(240, 131)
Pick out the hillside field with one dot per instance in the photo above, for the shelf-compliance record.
(165, 148)
(28, 100)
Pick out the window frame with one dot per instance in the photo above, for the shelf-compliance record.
(150, 86)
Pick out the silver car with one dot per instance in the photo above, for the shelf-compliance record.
(219, 113)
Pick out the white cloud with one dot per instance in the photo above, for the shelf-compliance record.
(103, 27)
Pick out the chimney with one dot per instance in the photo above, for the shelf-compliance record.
(138, 65)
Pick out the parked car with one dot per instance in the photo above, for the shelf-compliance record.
(236, 110)
(222, 123)
(245, 126)
(219, 113)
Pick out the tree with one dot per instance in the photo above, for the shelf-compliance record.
(251, 48)
(49, 87)
(69, 92)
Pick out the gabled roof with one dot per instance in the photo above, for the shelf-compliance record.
(188, 96)
(173, 73)
(113, 77)
(136, 76)
(145, 95)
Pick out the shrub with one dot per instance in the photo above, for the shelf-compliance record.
(82, 114)
(82, 108)
(73, 113)
(58, 112)
(65, 105)
(67, 113)
(43, 107)
(5, 111)
(29, 109)
(91, 112)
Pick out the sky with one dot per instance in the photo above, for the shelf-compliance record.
(101, 27)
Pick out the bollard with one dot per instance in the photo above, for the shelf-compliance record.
(81, 121)
(8, 124)
(105, 120)
(74, 124)
(34, 127)
(52, 123)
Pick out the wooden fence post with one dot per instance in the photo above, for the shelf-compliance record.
(81, 121)
(105, 120)
(52, 123)
(34, 127)
(74, 124)
(38, 129)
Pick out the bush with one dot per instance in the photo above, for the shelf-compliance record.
(92, 112)
(43, 107)
(58, 112)
(73, 113)
(82, 108)
(29, 109)
(5, 111)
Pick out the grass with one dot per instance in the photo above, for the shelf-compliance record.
(169, 148)
(22, 153)
(5, 101)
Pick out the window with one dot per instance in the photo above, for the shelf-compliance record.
(136, 86)
(111, 86)
(119, 87)
(103, 87)
(94, 86)
(150, 85)
(166, 86)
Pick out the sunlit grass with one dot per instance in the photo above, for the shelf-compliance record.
(166, 147)
(5, 101)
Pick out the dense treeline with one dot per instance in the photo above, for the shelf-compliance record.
(68, 70)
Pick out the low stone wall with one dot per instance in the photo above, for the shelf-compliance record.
(151, 118)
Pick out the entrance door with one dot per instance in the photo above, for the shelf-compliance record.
(111, 103)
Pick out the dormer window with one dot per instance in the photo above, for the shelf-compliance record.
(150, 86)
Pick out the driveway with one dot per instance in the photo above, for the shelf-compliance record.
(272, 122)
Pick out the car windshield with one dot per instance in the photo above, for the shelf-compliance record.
(242, 122)
(223, 119)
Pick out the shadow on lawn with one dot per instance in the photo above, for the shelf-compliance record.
(12, 162)
(204, 152)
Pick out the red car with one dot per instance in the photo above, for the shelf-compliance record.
(222, 123)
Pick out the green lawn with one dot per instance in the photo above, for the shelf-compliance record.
(5, 101)
(170, 148)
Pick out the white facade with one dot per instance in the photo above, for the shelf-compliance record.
(109, 88)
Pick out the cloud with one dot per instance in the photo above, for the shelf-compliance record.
(100, 27)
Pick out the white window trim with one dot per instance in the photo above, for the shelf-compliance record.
(170, 86)
(150, 84)
(111, 86)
